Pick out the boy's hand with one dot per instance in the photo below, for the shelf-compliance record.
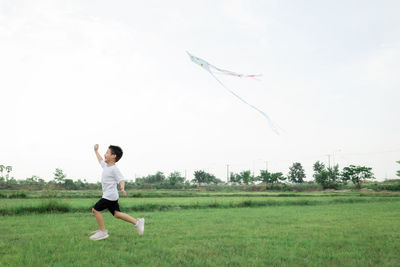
(123, 193)
(96, 148)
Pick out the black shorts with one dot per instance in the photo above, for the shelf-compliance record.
(103, 204)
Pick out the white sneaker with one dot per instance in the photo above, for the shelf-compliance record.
(99, 235)
(140, 226)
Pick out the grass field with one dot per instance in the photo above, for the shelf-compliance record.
(24, 206)
(70, 201)
(151, 193)
(331, 231)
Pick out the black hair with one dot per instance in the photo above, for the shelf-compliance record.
(117, 151)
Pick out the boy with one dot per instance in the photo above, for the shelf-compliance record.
(109, 179)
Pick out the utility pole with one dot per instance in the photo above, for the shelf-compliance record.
(266, 165)
(227, 173)
(333, 156)
(329, 160)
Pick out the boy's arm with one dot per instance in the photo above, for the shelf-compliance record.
(122, 186)
(96, 150)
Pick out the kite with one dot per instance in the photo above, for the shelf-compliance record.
(212, 69)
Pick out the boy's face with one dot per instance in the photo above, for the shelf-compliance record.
(108, 157)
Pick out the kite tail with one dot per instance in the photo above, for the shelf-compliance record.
(271, 124)
(228, 72)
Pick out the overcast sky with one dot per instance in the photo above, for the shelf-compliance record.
(76, 73)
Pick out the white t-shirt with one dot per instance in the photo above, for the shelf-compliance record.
(110, 177)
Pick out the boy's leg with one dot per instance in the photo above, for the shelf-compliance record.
(125, 217)
(139, 224)
(99, 219)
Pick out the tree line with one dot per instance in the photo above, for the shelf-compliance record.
(327, 177)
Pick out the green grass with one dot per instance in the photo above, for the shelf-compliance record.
(45, 194)
(23, 206)
(356, 234)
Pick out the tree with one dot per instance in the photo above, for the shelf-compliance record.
(175, 178)
(235, 178)
(41, 183)
(70, 185)
(200, 177)
(217, 181)
(398, 172)
(8, 170)
(210, 178)
(322, 178)
(280, 176)
(242, 177)
(334, 174)
(271, 178)
(318, 167)
(296, 173)
(157, 178)
(328, 178)
(357, 174)
(2, 167)
(246, 177)
(33, 179)
(11, 183)
(59, 176)
(83, 184)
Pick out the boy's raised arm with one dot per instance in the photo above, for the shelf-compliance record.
(96, 150)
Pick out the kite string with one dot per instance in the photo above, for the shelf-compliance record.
(272, 125)
(207, 66)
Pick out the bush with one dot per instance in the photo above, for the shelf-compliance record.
(383, 186)
(161, 186)
(256, 188)
(48, 194)
(47, 206)
(303, 187)
(17, 195)
(53, 206)
(277, 187)
(306, 187)
(139, 194)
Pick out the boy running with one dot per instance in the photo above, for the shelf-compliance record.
(110, 177)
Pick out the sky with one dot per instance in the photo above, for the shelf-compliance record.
(77, 73)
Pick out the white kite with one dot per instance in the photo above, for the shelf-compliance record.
(212, 69)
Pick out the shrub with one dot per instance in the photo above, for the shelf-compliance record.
(48, 194)
(380, 187)
(17, 195)
(139, 194)
(277, 187)
(53, 206)
(306, 187)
